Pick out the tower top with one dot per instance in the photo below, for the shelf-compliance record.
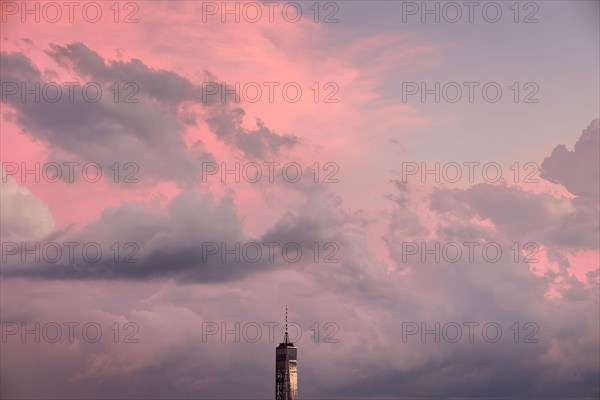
(286, 337)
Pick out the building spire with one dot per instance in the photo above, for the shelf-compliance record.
(286, 325)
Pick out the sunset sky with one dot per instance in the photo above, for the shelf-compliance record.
(386, 141)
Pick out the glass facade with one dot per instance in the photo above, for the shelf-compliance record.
(286, 372)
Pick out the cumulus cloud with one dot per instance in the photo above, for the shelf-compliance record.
(517, 213)
(169, 88)
(570, 224)
(105, 131)
(182, 242)
(577, 170)
(149, 131)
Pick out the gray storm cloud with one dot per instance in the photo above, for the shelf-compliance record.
(577, 170)
(149, 132)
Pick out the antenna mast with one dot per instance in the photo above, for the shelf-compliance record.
(286, 325)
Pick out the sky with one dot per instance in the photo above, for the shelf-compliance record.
(417, 181)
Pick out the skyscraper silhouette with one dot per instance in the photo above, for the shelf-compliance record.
(286, 368)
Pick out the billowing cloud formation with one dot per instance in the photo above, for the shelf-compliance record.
(103, 131)
(144, 122)
(173, 90)
(370, 308)
(194, 241)
(577, 170)
(555, 350)
(569, 223)
(546, 310)
(570, 233)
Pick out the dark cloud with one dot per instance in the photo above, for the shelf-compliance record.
(226, 122)
(542, 218)
(104, 132)
(171, 244)
(149, 132)
(167, 87)
(517, 213)
(577, 170)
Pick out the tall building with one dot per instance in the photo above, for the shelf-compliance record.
(286, 368)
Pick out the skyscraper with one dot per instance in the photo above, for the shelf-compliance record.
(286, 368)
